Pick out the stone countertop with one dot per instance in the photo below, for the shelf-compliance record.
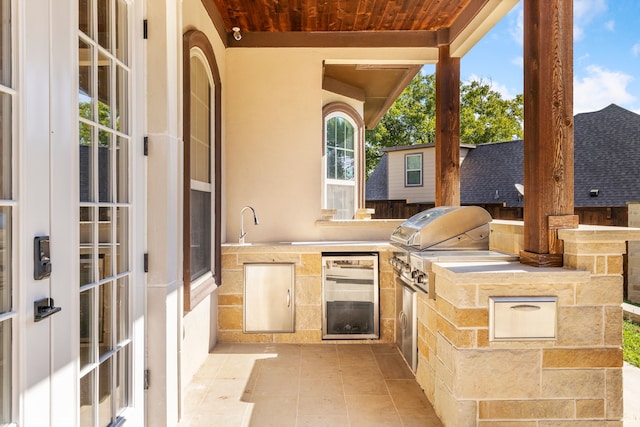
(505, 271)
(319, 246)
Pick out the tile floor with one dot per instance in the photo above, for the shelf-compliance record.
(310, 385)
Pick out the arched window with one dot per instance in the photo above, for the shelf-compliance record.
(343, 181)
(202, 142)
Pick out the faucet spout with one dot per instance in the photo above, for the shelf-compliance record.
(255, 221)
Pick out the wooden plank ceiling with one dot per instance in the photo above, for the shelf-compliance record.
(339, 15)
(354, 24)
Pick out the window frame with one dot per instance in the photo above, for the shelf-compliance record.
(346, 111)
(407, 170)
(195, 42)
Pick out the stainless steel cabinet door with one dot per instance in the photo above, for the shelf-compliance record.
(268, 297)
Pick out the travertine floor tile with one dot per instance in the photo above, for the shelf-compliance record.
(314, 385)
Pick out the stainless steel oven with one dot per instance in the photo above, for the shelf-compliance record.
(350, 296)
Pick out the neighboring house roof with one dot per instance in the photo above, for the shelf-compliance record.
(606, 158)
(489, 174)
(607, 155)
(377, 187)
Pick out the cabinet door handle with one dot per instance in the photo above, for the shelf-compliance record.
(288, 297)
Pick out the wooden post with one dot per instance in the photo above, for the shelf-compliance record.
(447, 129)
(548, 129)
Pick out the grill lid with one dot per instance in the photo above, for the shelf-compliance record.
(445, 227)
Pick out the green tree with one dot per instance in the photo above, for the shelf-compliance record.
(484, 117)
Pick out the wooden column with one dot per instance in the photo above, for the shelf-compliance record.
(447, 129)
(548, 129)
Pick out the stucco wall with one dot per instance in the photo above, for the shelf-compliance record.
(273, 140)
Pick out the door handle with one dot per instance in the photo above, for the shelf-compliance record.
(44, 308)
(288, 297)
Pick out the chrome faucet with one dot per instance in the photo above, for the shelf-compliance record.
(255, 221)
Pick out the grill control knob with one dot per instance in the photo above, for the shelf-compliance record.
(422, 278)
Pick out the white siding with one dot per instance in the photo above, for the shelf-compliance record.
(397, 188)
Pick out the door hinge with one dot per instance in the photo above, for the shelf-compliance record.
(145, 29)
(146, 379)
(146, 262)
(145, 144)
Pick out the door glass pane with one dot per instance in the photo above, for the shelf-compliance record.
(105, 105)
(85, 17)
(122, 312)
(86, 162)
(122, 380)
(5, 371)
(122, 170)
(5, 43)
(122, 99)
(5, 145)
(104, 23)
(122, 41)
(86, 400)
(85, 80)
(87, 339)
(5, 259)
(87, 253)
(104, 393)
(105, 309)
(122, 233)
(105, 227)
(104, 166)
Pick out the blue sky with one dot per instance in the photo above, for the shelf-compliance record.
(606, 55)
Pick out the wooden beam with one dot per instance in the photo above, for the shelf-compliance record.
(548, 127)
(447, 129)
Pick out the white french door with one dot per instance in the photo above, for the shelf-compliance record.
(75, 172)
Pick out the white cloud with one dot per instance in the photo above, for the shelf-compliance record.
(599, 88)
(584, 12)
(636, 49)
(516, 25)
(518, 61)
(610, 25)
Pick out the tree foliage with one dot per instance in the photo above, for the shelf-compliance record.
(484, 117)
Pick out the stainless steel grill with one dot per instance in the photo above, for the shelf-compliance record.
(445, 233)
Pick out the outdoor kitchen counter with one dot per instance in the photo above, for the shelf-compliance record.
(307, 260)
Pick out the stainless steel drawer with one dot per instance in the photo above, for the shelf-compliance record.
(517, 318)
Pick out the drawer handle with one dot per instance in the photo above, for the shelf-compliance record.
(526, 307)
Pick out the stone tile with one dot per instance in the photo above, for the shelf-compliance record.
(308, 290)
(526, 409)
(601, 290)
(572, 383)
(323, 420)
(308, 317)
(409, 398)
(582, 358)
(310, 265)
(230, 318)
(358, 385)
(369, 411)
(614, 394)
(230, 299)
(494, 380)
(571, 330)
(323, 404)
(613, 326)
(273, 411)
(393, 367)
(590, 408)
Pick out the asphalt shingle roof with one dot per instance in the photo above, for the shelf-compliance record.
(606, 158)
(377, 187)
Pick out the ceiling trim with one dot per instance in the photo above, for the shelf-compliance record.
(344, 89)
(332, 39)
(218, 22)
